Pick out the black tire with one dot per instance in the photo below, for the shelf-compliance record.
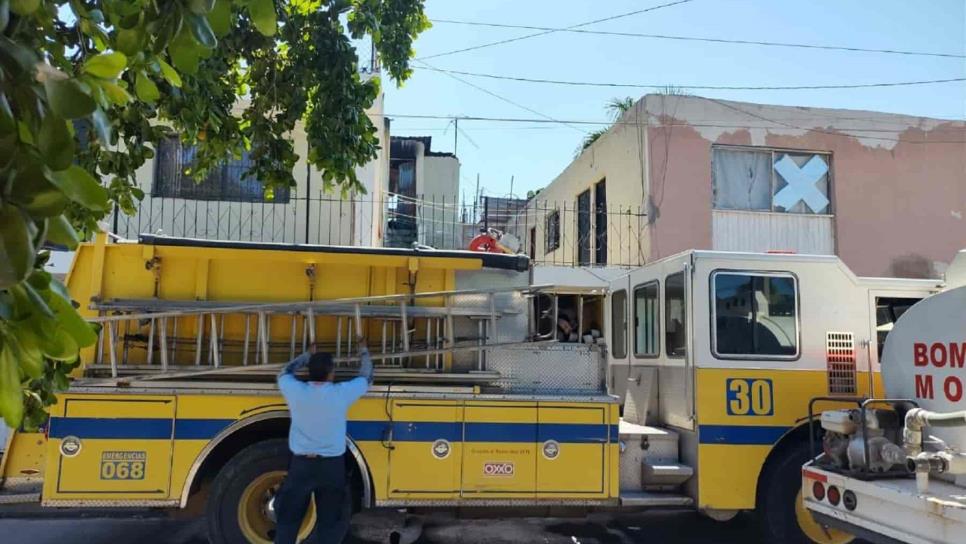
(781, 482)
(231, 481)
(222, 509)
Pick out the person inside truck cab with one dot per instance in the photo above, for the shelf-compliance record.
(317, 440)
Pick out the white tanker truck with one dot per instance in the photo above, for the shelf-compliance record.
(894, 470)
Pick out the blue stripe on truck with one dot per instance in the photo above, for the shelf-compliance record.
(760, 435)
(403, 431)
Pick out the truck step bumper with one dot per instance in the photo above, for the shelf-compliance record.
(645, 499)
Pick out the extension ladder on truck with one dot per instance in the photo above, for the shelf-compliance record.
(407, 332)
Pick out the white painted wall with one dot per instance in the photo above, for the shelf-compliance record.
(618, 156)
(437, 183)
(735, 230)
(331, 218)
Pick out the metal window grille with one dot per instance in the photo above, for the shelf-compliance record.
(227, 182)
(553, 231)
(840, 356)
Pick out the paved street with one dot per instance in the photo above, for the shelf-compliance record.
(678, 527)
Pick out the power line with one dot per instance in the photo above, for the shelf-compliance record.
(693, 125)
(551, 31)
(499, 97)
(698, 87)
(576, 30)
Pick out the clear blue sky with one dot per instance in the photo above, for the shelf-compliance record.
(534, 154)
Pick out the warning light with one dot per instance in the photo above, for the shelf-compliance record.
(833, 495)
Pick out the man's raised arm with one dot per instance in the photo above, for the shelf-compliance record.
(287, 374)
(365, 362)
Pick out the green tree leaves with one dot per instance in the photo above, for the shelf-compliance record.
(68, 98)
(263, 16)
(145, 88)
(106, 65)
(169, 73)
(11, 397)
(81, 187)
(16, 247)
(55, 142)
(201, 30)
(88, 89)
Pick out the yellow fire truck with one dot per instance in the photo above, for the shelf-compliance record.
(683, 383)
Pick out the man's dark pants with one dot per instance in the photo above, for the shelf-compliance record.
(323, 477)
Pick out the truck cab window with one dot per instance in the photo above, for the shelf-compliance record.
(755, 314)
(887, 311)
(618, 323)
(675, 316)
(646, 316)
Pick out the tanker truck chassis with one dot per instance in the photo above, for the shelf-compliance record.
(894, 470)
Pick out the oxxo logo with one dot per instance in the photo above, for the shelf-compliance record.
(498, 469)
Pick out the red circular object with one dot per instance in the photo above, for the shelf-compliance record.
(833, 495)
(485, 243)
(818, 491)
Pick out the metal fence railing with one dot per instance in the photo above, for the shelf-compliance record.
(550, 232)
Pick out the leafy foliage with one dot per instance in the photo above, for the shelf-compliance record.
(616, 107)
(89, 87)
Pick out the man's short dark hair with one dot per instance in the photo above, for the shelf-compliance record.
(321, 367)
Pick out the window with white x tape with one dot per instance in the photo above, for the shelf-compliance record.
(761, 179)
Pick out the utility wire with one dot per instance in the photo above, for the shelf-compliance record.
(501, 98)
(546, 31)
(576, 30)
(694, 125)
(698, 87)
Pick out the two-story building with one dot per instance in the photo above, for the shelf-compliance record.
(885, 192)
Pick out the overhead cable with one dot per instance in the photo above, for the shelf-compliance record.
(693, 125)
(500, 97)
(551, 31)
(698, 87)
(576, 30)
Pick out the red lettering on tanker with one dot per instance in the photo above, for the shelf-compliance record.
(939, 355)
(923, 387)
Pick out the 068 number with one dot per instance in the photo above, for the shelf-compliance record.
(122, 470)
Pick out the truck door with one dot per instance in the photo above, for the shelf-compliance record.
(103, 448)
(499, 452)
(424, 462)
(616, 326)
(572, 442)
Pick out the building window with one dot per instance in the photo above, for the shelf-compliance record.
(771, 180)
(225, 182)
(646, 317)
(618, 323)
(755, 315)
(583, 228)
(675, 316)
(600, 222)
(552, 227)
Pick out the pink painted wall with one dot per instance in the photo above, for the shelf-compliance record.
(898, 206)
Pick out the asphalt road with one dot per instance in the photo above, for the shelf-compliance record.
(374, 528)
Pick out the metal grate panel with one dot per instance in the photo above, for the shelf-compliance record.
(840, 356)
(551, 369)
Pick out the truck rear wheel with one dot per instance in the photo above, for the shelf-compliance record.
(238, 507)
(781, 512)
